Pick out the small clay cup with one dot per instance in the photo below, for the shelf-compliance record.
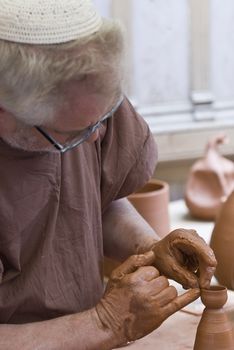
(215, 297)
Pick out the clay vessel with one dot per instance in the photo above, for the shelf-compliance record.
(222, 242)
(210, 181)
(152, 202)
(214, 330)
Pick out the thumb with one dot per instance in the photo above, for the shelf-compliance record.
(181, 301)
(132, 264)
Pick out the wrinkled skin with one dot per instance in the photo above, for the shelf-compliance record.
(137, 299)
(185, 257)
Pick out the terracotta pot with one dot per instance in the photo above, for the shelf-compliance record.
(222, 242)
(210, 181)
(214, 330)
(152, 202)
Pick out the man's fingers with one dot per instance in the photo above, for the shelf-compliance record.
(183, 276)
(132, 264)
(146, 273)
(181, 301)
(165, 296)
(189, 241)
(205, 275)
(191, 245)
(158, 284)
(207, 266)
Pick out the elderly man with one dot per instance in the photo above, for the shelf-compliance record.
(71, 149)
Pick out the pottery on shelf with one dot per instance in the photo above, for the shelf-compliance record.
(210, 181)
(222, 242)
(152, 202)
(214, 330)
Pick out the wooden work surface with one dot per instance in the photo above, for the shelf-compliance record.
(176, 333)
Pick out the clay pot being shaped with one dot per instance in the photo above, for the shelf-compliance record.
(152, 202)
(214, 330)
(210, 181)
(222, 243)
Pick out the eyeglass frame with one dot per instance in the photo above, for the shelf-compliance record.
(87, 132)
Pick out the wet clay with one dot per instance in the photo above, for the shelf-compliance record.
(138, 299)
(214, 330)
(152, 202)
(179, 255)
(222, 242)
(210, 181)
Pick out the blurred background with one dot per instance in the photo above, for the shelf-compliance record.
(180, 76)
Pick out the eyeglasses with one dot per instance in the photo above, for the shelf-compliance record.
(80, 136)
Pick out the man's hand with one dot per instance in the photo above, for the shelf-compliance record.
(185, 257)
(137, 299)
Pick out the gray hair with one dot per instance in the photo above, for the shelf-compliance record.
(31, 76)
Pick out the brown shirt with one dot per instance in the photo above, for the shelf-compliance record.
(51, 206)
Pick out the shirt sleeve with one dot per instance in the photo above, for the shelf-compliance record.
(128, 156)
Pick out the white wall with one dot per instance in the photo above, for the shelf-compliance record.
(160, 51)
(104, 7)
(222, 48)
(175, 45)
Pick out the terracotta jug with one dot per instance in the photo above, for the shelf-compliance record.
(210, 181)
(152, 202)
(214, 331)
(222, 242)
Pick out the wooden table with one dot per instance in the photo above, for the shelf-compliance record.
(176, 333)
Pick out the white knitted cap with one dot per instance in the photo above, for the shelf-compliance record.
(47, 21)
